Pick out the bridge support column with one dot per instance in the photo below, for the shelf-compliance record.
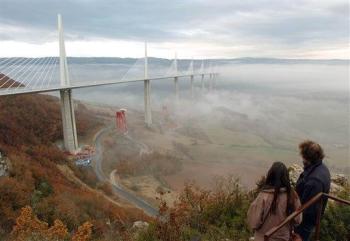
(70, 138)
(192, 86)
(202, 83)
(215, 79)
(176, 82)
(147, 93)
(210, 82)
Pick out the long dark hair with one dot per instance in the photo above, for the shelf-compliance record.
(277, 178)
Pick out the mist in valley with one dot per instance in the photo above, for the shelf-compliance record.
(257, 114)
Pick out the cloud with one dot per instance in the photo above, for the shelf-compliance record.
(243, 28)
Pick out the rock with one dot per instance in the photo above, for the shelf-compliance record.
(4, 168)
(339, 181)
(335, 188)
(140, 225)
(294, 172)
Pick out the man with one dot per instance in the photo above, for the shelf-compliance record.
(314, 179)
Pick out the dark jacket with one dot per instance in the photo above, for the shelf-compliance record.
(315, 179)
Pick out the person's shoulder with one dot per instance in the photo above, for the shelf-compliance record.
(323, 171)
(262, 197)
(313, 181)
(266, 193)
(324, 167)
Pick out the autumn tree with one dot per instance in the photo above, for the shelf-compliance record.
(83, 233)
(28, 225)
(58, 231)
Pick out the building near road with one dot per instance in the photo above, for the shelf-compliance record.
(83, 162)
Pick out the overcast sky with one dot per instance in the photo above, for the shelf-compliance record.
(194, 28)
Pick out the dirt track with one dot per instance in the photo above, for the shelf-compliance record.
(118, 189)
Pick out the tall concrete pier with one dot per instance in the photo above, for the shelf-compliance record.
(70, 138)
(210, 87)
(191, 70)
(147, 93)
(192, 86)
(202, 77)
(176, 80)
(202, 83)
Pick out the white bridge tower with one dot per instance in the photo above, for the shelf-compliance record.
(67, 106)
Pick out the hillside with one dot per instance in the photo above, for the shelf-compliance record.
(6, 82)
(43, 195)
(29, 126)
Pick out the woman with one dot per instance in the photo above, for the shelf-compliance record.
(274, 203)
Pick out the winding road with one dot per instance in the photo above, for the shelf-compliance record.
(128, 196)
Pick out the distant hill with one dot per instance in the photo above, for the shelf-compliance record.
(245, 60)
(6, 82)
(286, 61)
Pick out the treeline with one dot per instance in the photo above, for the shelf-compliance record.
(30, 120)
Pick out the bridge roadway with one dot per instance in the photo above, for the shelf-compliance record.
(26, 90)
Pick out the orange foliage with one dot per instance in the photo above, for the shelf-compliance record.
(83, 233)
(38, 120)
(58, 230)
(218, 213)
(27, 225)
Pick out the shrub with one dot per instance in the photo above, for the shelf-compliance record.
(335, 224)
(212, 215)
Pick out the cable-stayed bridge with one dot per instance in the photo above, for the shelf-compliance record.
(38, 75)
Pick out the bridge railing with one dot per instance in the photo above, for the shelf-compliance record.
(318, 198)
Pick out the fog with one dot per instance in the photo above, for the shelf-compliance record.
(281, 104)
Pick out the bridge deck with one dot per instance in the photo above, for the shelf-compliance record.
(26, 90)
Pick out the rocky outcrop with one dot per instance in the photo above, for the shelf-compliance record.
(4, 167)
(339, 181)
(140, 225)
(294, 172)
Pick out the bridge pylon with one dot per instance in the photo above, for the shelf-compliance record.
(210, 87)
(192, 78)
(70, 138)
(202, 76)
(147, 93)
(176, 80)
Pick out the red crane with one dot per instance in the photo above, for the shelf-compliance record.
(121, 121)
